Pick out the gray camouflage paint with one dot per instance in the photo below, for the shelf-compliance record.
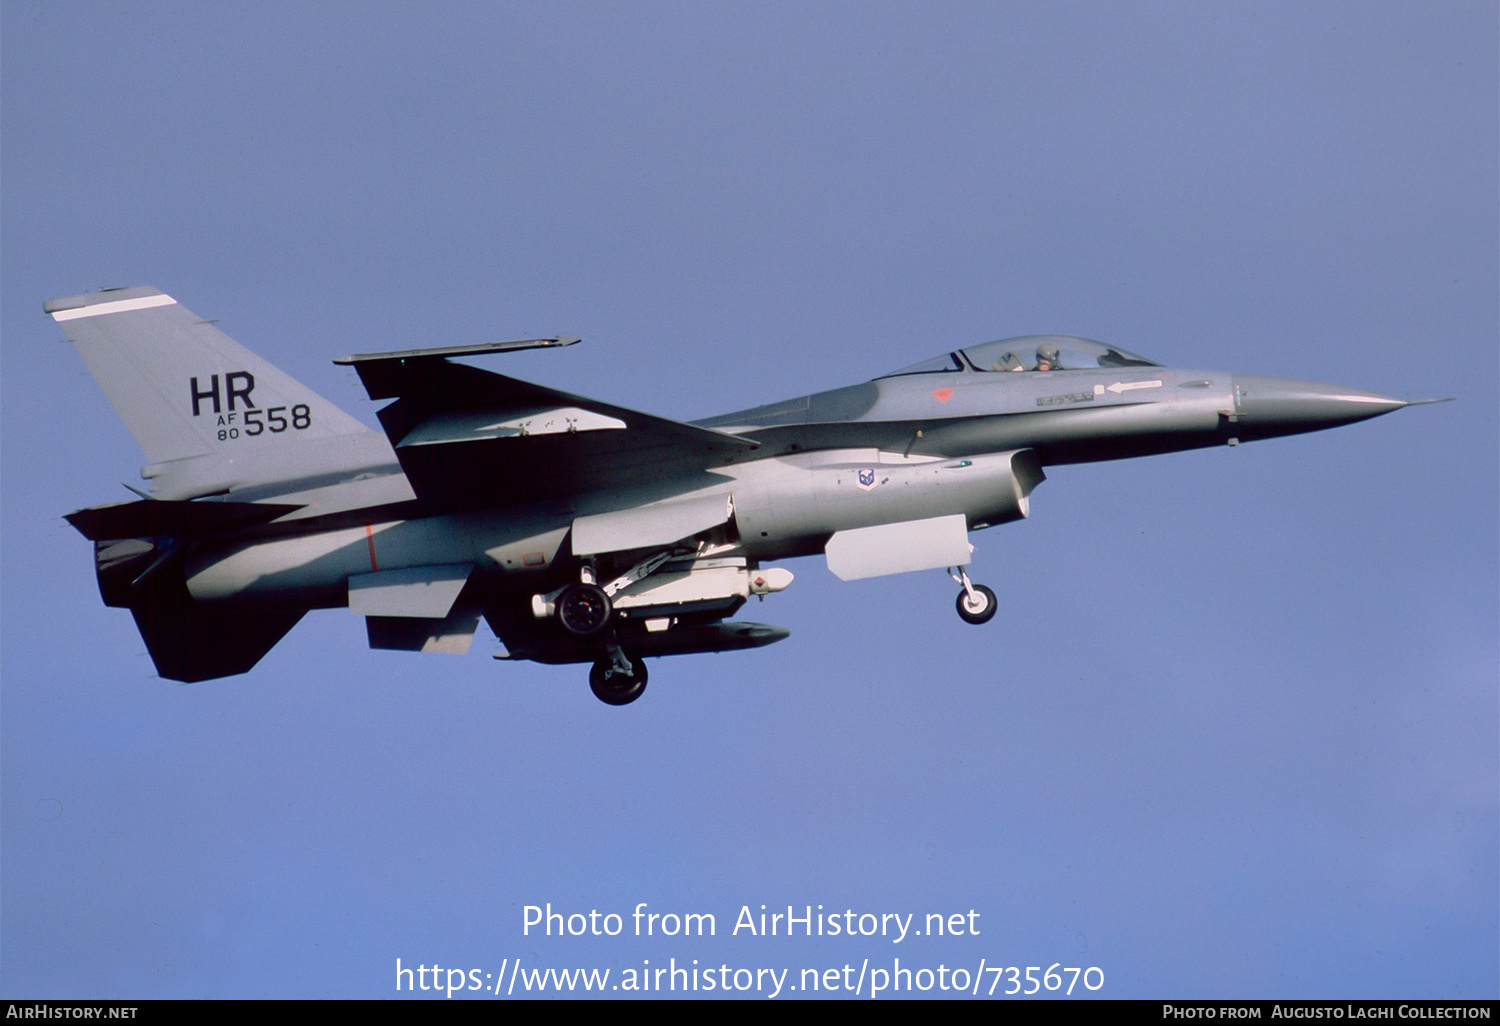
(480, 478)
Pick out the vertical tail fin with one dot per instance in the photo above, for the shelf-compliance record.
(186, 390)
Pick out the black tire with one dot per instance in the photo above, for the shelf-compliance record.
(986, 610)
(614, 688)
(583, 609)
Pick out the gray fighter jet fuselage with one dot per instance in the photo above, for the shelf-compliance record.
(582, 531)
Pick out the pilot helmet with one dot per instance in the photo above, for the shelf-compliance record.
(1048, 352)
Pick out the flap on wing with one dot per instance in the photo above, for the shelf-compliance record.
(453, 426)
(899, 548)
(659, 524)
(428, 592)
(151, 518)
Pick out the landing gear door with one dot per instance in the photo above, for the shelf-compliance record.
(899, 548)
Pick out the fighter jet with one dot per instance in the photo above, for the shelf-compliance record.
(584, 532)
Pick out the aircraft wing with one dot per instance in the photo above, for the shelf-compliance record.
(468, 437)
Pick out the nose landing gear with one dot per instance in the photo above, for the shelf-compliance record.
(976, 603)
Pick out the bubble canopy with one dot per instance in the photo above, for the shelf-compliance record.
(1020, 354)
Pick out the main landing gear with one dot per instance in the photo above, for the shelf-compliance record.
(583, 608)
(616, 679)
(976, 603)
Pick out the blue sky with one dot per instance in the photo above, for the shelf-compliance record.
(1234, 731)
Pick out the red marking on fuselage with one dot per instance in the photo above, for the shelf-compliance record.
(370, 541)
(942, 395)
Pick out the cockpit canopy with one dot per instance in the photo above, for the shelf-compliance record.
(1021, 354)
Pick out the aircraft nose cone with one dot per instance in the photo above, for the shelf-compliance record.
(1285, 406)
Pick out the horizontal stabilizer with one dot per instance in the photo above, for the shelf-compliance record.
(153, 518)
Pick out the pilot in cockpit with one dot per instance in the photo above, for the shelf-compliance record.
(1046, 357)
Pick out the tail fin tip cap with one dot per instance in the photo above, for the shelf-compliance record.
(107, 301)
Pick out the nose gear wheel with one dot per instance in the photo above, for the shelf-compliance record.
(978, 608)
(976, 603)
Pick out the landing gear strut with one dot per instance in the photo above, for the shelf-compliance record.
(616, 679)
(976, 603)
